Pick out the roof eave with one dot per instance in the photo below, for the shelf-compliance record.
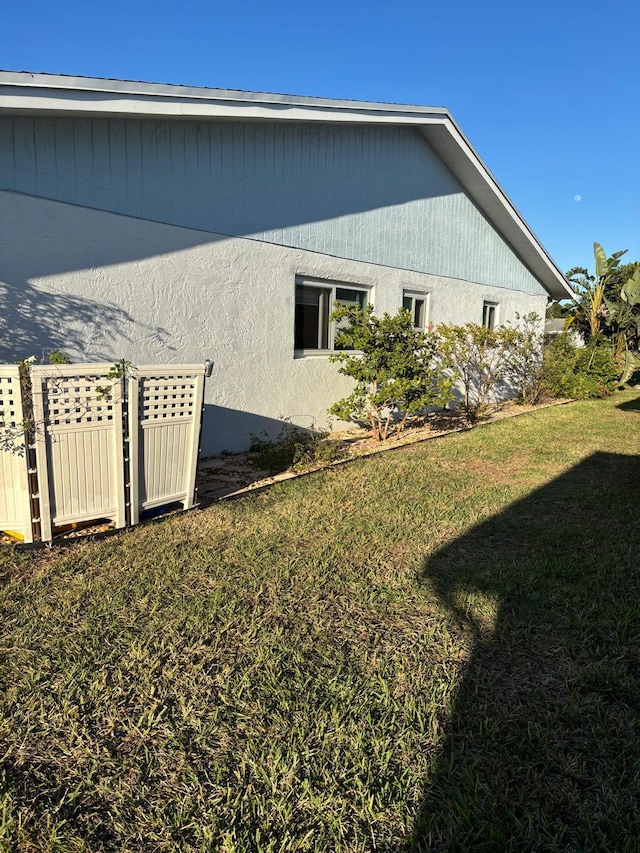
(26, 93)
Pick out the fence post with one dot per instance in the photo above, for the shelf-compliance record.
(133, 387)
(15, 499)
(42, 467)
(192, 463)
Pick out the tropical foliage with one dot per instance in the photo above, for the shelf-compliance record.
(606, 309)
(590, 308)
(623, 321)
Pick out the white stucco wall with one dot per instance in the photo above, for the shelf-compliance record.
(101, 286)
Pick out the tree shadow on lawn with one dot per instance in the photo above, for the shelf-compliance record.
(543, 740)
(630, 405)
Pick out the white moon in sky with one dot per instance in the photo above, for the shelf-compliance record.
(577, 198)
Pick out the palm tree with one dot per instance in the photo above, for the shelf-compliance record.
(590, 309)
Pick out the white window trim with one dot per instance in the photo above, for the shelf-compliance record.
(332, 285)
(425, 296)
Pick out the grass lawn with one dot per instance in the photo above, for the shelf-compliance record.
(434, 649)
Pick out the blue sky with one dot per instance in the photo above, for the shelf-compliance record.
(547, 92)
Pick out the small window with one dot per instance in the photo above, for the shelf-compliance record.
(489, 315)
(416, 303)
(314, 303)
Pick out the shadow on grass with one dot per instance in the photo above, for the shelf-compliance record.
(543, 743)
(630, 405)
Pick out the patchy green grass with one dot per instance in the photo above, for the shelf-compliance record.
(434, 649)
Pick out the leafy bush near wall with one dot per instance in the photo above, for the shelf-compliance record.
(56, 356)
(523, 357)
(394, 366)
(475, 357)
(580, 373)
(400, 370)
(487, 361)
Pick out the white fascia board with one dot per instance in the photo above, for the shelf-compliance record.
(24, 93)
(145, 106)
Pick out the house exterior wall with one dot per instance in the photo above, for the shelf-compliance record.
(374, 194)
(102, 286)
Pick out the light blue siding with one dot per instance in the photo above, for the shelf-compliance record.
(377, 194)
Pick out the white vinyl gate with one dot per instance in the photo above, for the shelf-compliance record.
(79, 445)
(104, 447)
(164, 416)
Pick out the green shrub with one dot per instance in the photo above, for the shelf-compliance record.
(394, 368)
(579, 373)
(56, 356)
(294, 447)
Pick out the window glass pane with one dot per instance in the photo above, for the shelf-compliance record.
(417, 304)
(312, 317)
(351, 298)
(313, 307)
(488, 315)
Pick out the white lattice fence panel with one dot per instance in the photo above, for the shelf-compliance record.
(15, 503)
(79, 444)
(165, 410)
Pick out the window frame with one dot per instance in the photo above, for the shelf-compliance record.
(330, 287)
(493, 307)
(423, 296)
